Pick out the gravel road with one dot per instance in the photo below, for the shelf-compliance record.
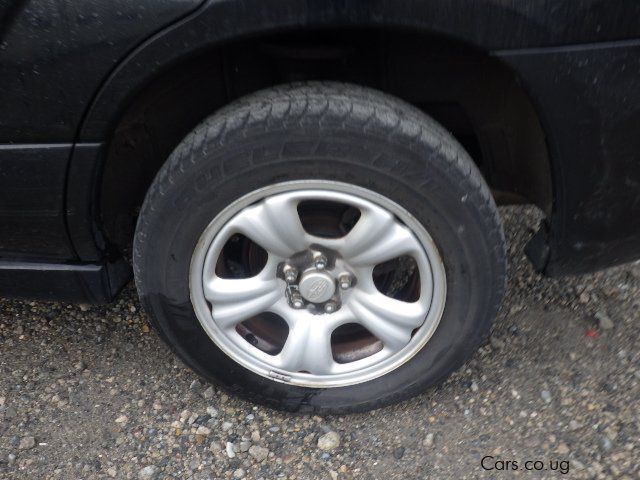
(91, 392)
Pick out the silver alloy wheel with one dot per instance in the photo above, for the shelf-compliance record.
(270, 218)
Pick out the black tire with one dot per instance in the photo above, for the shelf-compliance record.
(369, 139)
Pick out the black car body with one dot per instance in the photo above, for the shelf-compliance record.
(94, 96)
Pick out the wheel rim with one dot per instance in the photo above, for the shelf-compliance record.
(317, 286)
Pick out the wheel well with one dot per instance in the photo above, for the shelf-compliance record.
(471, 93)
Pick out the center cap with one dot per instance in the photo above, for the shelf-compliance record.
(317, 287)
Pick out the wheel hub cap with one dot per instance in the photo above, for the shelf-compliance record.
(317, 287)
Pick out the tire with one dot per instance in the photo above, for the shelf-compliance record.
(342, 135)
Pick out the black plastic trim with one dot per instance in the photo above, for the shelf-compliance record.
(89, 283)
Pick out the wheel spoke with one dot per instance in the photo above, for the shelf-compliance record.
(235, 300)
(390, 320)
(308, 348)
(274, 224)
(376, 238)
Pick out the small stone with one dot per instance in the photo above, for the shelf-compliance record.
(329, 441)
(604, 322)
(231, 450)
(239, 473)
(147, 472)
(122, 419)
(546, 396)
(112, 472)
(584, 297)
(574, 425)
(11, 458)
(606, 444)
(84, 307)
(208, 393)
(259, 453)
(474, 386)
(244, 446)
(80, 366)
(428, 441)
(145, 328)
(274, 429)
(333, 474)
(398, 453)
(27, 443)
(255, 436)
(202, 430)
(226, 426)
(562, 449)
(496, 343)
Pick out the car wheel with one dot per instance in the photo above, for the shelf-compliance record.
(320, 248)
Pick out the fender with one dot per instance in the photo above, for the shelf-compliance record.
(539, 43)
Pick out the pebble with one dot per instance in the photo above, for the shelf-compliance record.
(604, 322)
(122, 419)
(606, 444)
(546, 396)
(574, 425)
(428, 441)
(27, 443)
(147, 472)
(208, 393)
(255, 436)
(259, 453)
(230, 449)
(474, 386)
(398, 453)
(239, 473)
(329, 441)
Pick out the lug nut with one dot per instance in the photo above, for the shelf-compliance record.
(297, 302)
(330, 307)
(320, 261)
(290, 274)
(345, 281)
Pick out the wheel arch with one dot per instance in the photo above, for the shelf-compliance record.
(197, 48)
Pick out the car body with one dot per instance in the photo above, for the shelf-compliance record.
(95, 95)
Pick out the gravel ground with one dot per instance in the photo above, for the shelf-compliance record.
(91, 392)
